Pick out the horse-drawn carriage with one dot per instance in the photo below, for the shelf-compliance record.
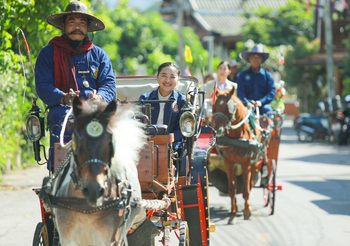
(246, 151)
(174, 203)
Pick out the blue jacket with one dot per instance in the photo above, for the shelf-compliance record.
(256, 86)
(100, 77)
(171, 117)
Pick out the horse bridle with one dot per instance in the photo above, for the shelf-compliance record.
(226, 118)
(121, 202)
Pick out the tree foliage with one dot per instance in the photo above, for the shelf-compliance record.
(346, 70)
(280, 27)
(16, 71)
(135, 39)
(307, 80)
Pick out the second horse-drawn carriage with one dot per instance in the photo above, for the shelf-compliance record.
(176, 204)
(246, 151)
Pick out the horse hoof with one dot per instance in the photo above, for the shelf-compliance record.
(246, 215)
(231, 220)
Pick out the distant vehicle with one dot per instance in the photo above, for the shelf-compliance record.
(343, 117)
(310, 127)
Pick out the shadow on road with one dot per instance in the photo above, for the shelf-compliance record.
(329, 158)
(337, 190)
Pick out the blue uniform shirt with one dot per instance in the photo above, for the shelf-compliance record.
(256, 86)
(171, 117)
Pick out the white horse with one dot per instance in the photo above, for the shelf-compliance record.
(94, 197)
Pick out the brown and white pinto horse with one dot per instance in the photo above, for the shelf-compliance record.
(239, 144)
(101, 182)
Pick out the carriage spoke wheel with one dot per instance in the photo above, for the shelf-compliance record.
(41, 237)
(269, 192)
(184, 239)
(272, 188)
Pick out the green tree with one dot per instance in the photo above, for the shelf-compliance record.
(133, 39)
(346, 70)
(307, 80)
(279, 27)
(16, 72)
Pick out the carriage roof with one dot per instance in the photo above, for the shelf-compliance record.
(130, 88)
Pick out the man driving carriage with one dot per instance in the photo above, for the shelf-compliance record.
(255, 85)
(71, 65)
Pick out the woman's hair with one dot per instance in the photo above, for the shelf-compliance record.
(225, 64)
(168, 64)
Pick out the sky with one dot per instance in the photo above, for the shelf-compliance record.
(141, 4)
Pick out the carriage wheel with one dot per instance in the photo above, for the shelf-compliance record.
(41, 237)
(272, 188)
(210, 228)
(269, 192)
(266, 197)
(184, 239)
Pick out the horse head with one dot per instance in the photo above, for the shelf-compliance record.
(224, 109)
(102, 180)
(92, 146)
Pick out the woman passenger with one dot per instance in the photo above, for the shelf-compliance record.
(168, 113)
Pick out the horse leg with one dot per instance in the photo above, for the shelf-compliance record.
(246, 191)
(232, 191)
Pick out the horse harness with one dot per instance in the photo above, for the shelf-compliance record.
(122, 202)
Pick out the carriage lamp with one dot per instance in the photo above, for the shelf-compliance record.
(188, 124)
(35, 128)
(35, 123)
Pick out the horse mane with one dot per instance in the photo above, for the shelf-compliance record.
(128, 140)
(241, 109)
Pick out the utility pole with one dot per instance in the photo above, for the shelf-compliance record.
(329, 47)
(180, 47)
(210, 48)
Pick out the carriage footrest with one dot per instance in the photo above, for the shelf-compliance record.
(143, 235)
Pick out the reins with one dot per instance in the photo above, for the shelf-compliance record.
(239, 124)
(63, 129)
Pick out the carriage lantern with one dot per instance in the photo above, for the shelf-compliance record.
(35, 128)
(188, 124)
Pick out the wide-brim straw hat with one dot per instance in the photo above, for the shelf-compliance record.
(76, 7)
(256, 50)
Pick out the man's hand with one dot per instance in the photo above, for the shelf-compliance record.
(94, 96)
(67, 99)
(258, 104)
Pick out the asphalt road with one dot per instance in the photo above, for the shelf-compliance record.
(312, 209)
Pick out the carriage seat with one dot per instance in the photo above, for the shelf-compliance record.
(153, 130)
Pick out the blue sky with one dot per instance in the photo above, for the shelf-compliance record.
(141, 4)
